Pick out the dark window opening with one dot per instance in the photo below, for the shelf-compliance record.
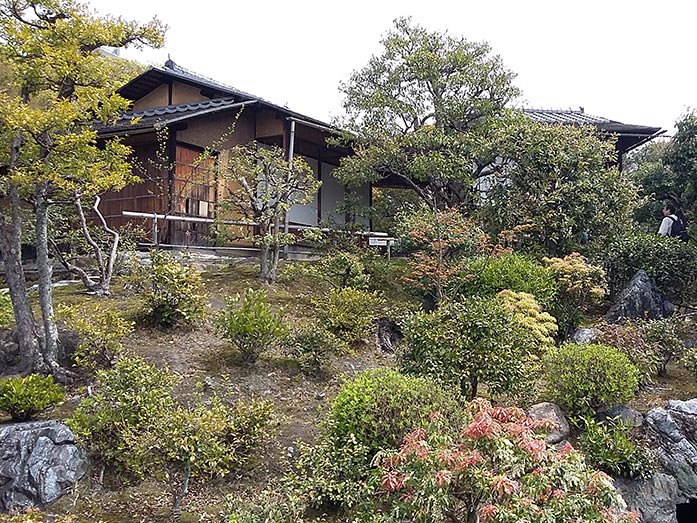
(687, 512)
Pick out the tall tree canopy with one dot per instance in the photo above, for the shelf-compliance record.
(432, 113)
(57, 86)
(414, 112)
(556, 184)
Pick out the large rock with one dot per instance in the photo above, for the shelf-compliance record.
(551, 411)
(640, 299)
(673, 434)
(39, 461)
(622, 413)
(655, 498)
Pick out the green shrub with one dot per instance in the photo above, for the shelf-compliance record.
(7, 317)
(380, 406)
(372, 411)
(24, 397)
(100, 331)
(173, 293)
(672, 263)
(272, 505)
(111, 423)
(586, 377)
(250, 324)
(209, 439)
(469, 342)
(349, 313)
(488, 275)
(581, 286)
(689, 360)
(610, 447)
(331, 475)
(312, 346)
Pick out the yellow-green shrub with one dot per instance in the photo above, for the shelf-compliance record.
(24, 397)
(347, 312)
(586, 377)
(580, 287)
(530, 315)
(172, 293)
(101, 331)
(250, 324)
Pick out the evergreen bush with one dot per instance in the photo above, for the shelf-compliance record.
(24, 397)
(586, 377)
(250, 324)
(173, 293)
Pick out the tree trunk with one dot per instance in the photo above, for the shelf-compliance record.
(264, 253)
(105, 265)
(45, 269)
(179, 495)
(11, 246)
(469, 385)
(276, 251)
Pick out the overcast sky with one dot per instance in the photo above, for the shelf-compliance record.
(627, 60)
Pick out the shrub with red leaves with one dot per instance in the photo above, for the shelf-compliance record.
(497, 470)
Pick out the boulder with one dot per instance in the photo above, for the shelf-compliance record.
(623, 413)
(39, 461)
(672, 431)
(639, 299)
(585, 335)
(655, 498)
(551, 411)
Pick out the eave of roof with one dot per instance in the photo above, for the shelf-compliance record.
(158, 117)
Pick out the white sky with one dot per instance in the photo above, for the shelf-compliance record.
(627, 60)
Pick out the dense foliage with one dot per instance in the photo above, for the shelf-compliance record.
(650, 344)
(672, 263)
(609, 446)
(586, 377)
(134, 425)
(487, 275)
(311, 346)
(24, 397)
(380, 406)
(250, 324)
(172, 293)
(471, 341)
(6, 316)
(581, 286)
(348, 313)
(556, 182)
(440, 243)
(496, 470)
(100, 331)
(371, 412)
(129, 397)
(416, 109)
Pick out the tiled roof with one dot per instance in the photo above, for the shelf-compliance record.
(567, 117)
(179, 109)
(160, 116)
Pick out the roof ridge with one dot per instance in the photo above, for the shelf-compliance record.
(170, 66)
